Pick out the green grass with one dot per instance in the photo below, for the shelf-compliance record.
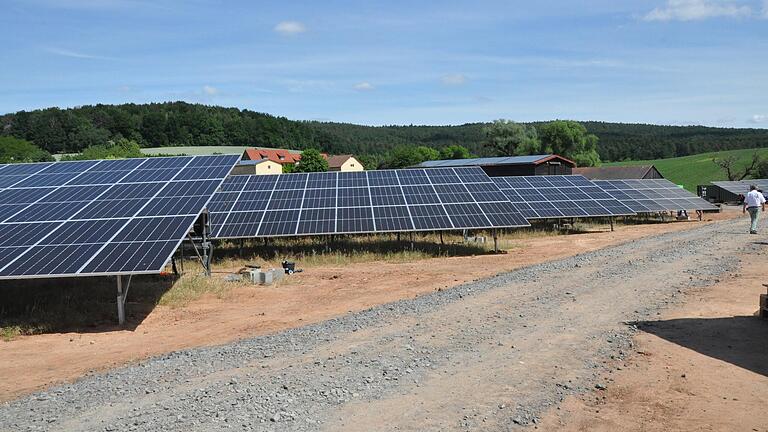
(193, 150)
(699, 169)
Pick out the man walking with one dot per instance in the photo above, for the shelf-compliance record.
(754, 202)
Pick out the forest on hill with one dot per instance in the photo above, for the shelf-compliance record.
(182, 124)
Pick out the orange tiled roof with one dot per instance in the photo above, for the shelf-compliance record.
(275, 155)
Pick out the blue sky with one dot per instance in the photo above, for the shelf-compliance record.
(397, 62)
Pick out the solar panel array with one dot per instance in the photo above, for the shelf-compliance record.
(546, 197)
(653, 195)
(111, 217)
(742, 187)
(360, 202)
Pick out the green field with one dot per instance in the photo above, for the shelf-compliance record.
(691, 171)
(193, 151)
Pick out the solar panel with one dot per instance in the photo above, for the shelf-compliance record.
(563, 196)
(360, 202)
(110, 217)
(741, 187)
(653, 195)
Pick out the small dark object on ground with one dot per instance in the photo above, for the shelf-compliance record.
(289, 267)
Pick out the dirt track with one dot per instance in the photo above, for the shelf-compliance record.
(321, 293)
(488, 355)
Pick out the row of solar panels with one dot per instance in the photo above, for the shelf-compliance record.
(741, 187)
(129, 216)
(425, 200)
(360, 202)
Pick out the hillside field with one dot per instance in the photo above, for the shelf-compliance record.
(694, 170)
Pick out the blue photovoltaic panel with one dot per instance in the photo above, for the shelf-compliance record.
(562, 196)
(741, 187)
(360, 202)
(653, 195)
(113, 217)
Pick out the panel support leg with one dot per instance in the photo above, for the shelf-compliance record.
(120, 301)
(495, 241)
(411, 236)
(441, 238)
(611, 219)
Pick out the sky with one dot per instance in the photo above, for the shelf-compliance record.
(673, 62)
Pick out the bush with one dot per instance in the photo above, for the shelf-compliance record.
(14, 150)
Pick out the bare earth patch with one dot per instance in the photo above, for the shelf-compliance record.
(701, 366)
(39, 361)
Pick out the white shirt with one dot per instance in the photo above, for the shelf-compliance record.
(754, 199)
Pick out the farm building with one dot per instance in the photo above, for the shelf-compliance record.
(286, 157)
(259, 167)
(510, 165)
(619, 172)
(280, 156)
(344, 163)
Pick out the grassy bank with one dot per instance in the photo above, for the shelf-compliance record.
(691, 171)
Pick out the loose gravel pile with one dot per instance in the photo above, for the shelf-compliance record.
(487, 355)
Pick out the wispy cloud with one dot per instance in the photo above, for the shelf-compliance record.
(455, 79)
(97, 5)
(210, 90)
(759, 118)
(290, 28)
(765, 9)
(364, 86)
(696, 10)
(76, 54)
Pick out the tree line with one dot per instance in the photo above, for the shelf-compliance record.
(72, 130)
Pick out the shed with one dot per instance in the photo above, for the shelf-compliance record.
(262, 166)
(510, 165)
(344, 163)
(619, 172)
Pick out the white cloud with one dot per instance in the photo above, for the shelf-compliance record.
(694, 10)
(76, 54)
(290, 28)
(454, 79)
(759, 118)
(210, 90)
(765, 9)
(364, 86)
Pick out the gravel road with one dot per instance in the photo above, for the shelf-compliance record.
(488, 355)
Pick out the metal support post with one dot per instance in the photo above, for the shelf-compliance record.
(495, 241)
(206, 256)
(120, 301)
(611, 219)
(441, 238)
(411, 236)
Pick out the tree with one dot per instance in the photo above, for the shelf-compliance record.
(427, 153)
(14, 150)
(570, 139)
(761, 171)
(402, 157)
(370, 161)
(507, 138)
(311, 161)
(730, 164)
(119, 149)
(454, 151)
